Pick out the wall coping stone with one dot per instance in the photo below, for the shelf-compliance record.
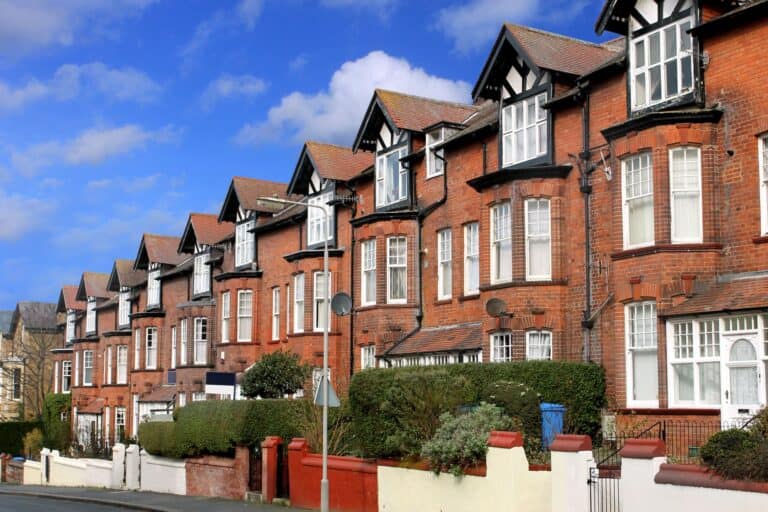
(499, 439)
(699, 476)
(571, 443)
(643, 449)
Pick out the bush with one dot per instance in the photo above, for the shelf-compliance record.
(12, 435)
(578, 386)
(33, 443)
(740, 454)
(159, 438)
(57, 433)
(275, 375)
(311, 428)
(517, 401)
(462, 441)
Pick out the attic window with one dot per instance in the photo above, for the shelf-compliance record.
(245, 243)
(524, 127)
(317, 229)
(153, 288)
(435, 163)
(90, 316)
(391, 178)
(124, 308)
(202, 274)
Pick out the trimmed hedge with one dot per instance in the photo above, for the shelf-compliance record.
(12, 435)
(216, 426)
(578, 386)
(740, 454)
(57, 433)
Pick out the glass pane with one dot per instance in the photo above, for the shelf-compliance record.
(641, 220)
(640, 94)
(654, 42)
(685, 37)
(530, 142)
(644, 375)
(639, 54)
(508, 148)
(518, 115)
(519, 147)
(684, 382)
(538, 259)
(709, 383)
(670, 42)
(542, 138)
(655, 77)
(743, 350)
(686, 73)
(506, 118)
(687, 217)
(530, 112)
(671, 69)
(744, 386)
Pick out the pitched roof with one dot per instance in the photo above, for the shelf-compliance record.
(158, 249)
(450, 338)
(203, 229)
(487, 116)
(68, 299)
(415, 113)
(736, 295)
(561, 53)
(245, 192)
(163, 394)
(93, 284)
(5, 322)
(35, 315)
(337, 162)
(123, 274)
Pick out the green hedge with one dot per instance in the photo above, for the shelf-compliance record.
(57, 433)
(12, 435)
(216, 427)
(740, 454)
(578, 386)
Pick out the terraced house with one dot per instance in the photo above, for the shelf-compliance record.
(597, 202)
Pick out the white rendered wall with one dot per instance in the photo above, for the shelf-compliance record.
(159, 474)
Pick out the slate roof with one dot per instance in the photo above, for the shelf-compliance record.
(451, 338)
(337, 162)
(415, 113)
(736, 295)
(93, 284)
(561, 53)
(35, 315)
(5, 322)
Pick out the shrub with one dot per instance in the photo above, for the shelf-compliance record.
(311, 428)
(275, 375)
(517, 401)
(462, 441)
(578, 386)
(33, 443)
(57, 433)
(740, 454)
(12, 435)
(159, 438)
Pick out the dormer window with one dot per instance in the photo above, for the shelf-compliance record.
(435, 163)
(245, 243)
(124, 308)
(317, 231)
(71, 317)
(661, 63)
(153, 288)
(90, 316)
(202, 274)
(391, 177)
(524, 130)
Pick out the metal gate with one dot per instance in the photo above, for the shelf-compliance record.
(604, 489)
(254, 476)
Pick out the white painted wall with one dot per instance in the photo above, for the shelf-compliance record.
(508, 485)
(569, 490)
(67, 472)
(98, 473)
(163, 475)
(32, 475)
(117, 475)
(132, 467)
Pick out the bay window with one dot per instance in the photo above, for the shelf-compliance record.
(298, 303)
(501, 347)
(391, 177)
(244, 315)
(319, 228)
(174, 347)
(225, 302)
(322, 293)
(153, 288)
(368, 281)
(201, 340)
(637, 192)
(642, 358)
(444, 273)
(66, 376)
(137, 349)
(88, 368)
(202, 274)
(661, 64)
(109, 366)
(150, 362)
(524, 130)
(245, 243)
(184, 341)
(71, 318)
(685, 187)
(397, 269)
(538, 345)
(694, 361)
(119, 424)
(538, 240)
(276, 313)
(762, 146)
(368, 357)
(471, 258)
(501, 242)
(122, 364)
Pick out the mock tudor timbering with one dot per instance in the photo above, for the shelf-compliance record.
(612, 196)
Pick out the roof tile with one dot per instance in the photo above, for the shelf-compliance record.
(338, 162)
(208, 229)
(416, 113)
(163, 249)
(468, 336)
(729, 296)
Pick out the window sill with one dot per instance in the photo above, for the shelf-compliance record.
(520, 284)
(473, 296)
(760, 239)
(384, 306)
(663, 248)
(311, 333)
(442, 302)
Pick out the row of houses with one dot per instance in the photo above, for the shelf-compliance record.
(605, 203)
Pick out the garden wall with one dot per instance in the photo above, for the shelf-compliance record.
(159, 474)
(224, 477)
(32, 474)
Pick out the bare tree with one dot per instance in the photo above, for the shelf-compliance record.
(32, 356)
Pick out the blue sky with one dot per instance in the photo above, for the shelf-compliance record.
(119, 117)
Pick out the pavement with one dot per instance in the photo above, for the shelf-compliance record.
(147, 501)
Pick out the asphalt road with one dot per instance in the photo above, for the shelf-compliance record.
(10, 503)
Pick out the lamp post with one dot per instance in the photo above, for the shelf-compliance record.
(324, 380)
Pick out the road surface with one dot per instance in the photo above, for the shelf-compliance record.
(10, 503)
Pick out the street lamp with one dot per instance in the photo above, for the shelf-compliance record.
(324, 380)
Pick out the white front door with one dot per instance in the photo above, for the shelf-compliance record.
(743, 389)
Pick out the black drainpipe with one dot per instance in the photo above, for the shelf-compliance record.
(585, 169)
(353, 191)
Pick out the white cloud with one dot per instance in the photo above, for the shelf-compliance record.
(91, 147)
(22, 214)
(244, 14)
(141, 183)
(334, 114)
(27, 25)
(99, 184)
(51, 183)
(382, 7)
(230, 86)
(126, 84)
(298, 63)
(473, 24)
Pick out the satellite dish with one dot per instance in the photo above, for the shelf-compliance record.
(495, 307)
(341, 304)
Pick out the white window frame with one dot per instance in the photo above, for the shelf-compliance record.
(472, 258)
(90, 316)
(150, 354)
(688, 190)
(174, 347)
(433, 138)
(632, 161)
(198, 396)
(119, 423)
(298, 303)
(680, 57)
(502, 347)
(225, 316)
(122, 365)
(245, 243)
(153, 288)
(498, 237)
(71, 320)
(137, 349)
(77, 369)
(124, 309)
(66, 376)
(201, 282)
(631, 348)
(384, 182)
(200, 340)
(317, 298)
(368, 357)
(276, 313)
(244, 316)
(762, 148)
(316, 217)
(184, 335)
(538, 345)
(705, 350)
(529, 237)
(288, 317)
(444, 264)
(394, 262)
(87, 368)
(512, 129)
(109, 365)
(367, 268)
